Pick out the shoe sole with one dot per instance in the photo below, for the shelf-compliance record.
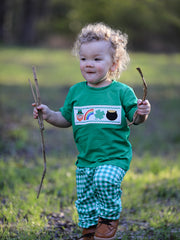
(98, 238)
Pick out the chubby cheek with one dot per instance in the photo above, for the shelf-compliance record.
(101, 69)
(81, 67)
(82, 71)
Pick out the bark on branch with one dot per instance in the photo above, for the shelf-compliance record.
(37, 100)
(144, 95)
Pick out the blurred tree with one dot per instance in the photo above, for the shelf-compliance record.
(28, 17)
(2, 17)
(32, 15)
(150, 24)
(19, 20)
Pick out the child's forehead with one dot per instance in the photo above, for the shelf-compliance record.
(95, 45)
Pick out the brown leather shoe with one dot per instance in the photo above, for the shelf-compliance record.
(88, 233)
(106, 229)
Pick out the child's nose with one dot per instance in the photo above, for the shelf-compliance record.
(89, 63)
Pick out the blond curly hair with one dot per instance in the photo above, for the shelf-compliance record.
(118, 41)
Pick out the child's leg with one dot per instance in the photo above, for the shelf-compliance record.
(86, 199)
(108, 180)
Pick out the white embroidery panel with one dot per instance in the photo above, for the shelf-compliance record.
(103, 114)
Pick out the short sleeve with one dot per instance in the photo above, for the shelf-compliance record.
(129, 103)
(66, 110)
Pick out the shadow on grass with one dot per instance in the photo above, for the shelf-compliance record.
(135, 231)
(20, 135)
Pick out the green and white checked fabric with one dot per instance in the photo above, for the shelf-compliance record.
(98, 193)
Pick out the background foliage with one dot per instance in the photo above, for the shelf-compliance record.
(151, 25)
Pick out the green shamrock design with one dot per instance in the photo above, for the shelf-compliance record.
(99, 114)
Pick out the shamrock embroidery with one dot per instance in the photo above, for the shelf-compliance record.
(99, 114)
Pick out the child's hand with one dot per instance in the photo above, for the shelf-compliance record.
(45, 111)
(144, 107)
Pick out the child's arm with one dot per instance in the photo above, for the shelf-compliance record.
(52, 117)
(143, 111)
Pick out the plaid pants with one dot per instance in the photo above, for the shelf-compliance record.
(98, 194)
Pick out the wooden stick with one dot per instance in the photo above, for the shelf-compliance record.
(40, 116)
(34, 96)
(144, 95)
(37, 100)
(144, 83)
(44, 158)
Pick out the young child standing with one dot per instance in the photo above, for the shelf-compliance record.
(98, 110)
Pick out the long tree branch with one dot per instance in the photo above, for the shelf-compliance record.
(144, 95)
(37, 100)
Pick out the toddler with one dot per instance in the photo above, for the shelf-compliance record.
(98, 110)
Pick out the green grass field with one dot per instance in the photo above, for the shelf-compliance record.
(151, 188)
(59, 67)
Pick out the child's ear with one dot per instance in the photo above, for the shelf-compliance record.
(114, 67)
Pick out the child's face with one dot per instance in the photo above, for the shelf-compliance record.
(95, 63)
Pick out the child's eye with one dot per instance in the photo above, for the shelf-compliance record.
(97, 59)
(83, 59)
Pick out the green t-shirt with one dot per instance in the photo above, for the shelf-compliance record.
(98, 117)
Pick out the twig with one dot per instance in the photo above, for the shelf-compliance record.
(34, 96)
(37, 100)
(144, 95)
(144, 83)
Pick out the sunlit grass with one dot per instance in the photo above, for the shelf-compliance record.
(149, 196)
(57, 67)
(54, 67)
(158, 69)
(21, 211)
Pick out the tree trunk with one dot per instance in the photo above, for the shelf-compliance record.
(28, 28)
(2, 17)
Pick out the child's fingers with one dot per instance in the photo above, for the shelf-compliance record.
(40, 107)
(43, 108)
(144, 107)
(35, 113)
(140, 102)
(145, 102)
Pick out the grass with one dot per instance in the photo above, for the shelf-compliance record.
(57, 67)
(151, 187)
(150, 199)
